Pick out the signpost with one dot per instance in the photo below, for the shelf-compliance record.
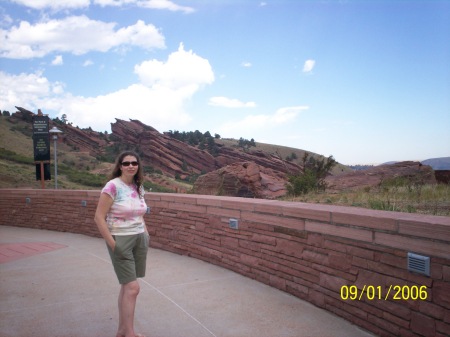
(41, 145)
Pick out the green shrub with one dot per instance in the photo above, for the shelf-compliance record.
(302, 184)
(313, 176)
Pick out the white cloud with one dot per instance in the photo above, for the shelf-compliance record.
(254, 124)
(308, 66)
(74, 34)
(225, 102)
(158, 100)
(163, 4)
(56, 5)
(58, 88)
(151, 4)
(87, 63)
(246, 64)
(77, 4)
(284, 115)
(115, 3)
(159, 107)
(26, 90)
(183, 69)
(58, 60)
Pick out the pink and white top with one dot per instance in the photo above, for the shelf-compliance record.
(126, 215)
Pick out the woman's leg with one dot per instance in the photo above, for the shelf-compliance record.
(130, 259)
(127, 304)
(120, 331)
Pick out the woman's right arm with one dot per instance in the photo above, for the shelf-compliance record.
(104, 204)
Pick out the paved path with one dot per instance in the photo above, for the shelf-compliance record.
(61, 284)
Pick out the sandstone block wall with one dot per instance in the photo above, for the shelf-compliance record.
(314, 252)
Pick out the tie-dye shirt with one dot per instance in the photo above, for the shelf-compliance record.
(126, 215)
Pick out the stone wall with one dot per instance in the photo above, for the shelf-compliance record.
(318, 253)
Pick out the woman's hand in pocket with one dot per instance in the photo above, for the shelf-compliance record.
(112, 244)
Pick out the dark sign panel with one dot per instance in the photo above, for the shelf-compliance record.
(41, 141)
(46, 172)
(40, 125)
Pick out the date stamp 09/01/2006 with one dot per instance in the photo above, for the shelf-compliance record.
(395, 292)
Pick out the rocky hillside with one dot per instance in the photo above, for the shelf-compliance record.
(415, 172)
(243, 179)
(176, 158)
(260, 171)
(160, 151)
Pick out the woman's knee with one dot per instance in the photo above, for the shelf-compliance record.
(132, 288)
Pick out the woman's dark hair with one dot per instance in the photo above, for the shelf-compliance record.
(138, 177)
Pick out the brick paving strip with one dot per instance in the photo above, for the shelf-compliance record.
(14, 251)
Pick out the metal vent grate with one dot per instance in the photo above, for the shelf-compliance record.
(234, 224)
(419, 264)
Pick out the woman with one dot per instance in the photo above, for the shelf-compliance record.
(120, 220)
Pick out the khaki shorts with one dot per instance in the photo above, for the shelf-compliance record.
(129, 257)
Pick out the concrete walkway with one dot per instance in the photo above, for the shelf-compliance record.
(68, 288)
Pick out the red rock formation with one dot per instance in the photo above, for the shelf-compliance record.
(82, 140)
(376, 175)
(163, 152)
(243, 179)
(175, 157)
(228, 155)
(160, 151)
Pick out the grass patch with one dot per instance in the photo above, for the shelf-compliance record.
(14, 157)
(82, 177)
(149, 186)
(423, 199)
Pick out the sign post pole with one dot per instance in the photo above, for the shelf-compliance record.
(42, 176)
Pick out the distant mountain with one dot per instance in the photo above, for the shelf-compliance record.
(360, 167)
(442, 163)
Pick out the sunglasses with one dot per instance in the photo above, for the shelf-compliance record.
(128, 163)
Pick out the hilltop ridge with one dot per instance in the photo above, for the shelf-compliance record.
(168, 162)
(171, 159)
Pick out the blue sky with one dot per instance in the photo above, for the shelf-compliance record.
(365, 81)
